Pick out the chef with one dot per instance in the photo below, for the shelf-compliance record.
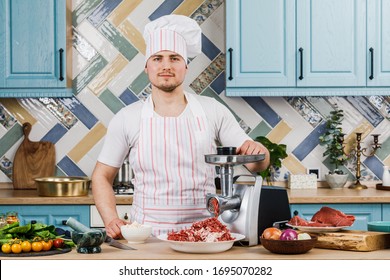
(166, 137)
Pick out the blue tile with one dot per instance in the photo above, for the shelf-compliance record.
(102, 11)
(265, 111)
(166, 8)
(55, 134)
(80, 111)
(375, 165)
(218, 85)
(209, 49)
(310, 142)
(128, 97)
(366, 109)
(69, 167)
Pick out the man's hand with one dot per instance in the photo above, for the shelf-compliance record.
(250, 147)
(113, 229)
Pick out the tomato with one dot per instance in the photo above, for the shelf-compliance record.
(37, 246)
(46, 246)
(16, 248)
(271, 233)
(58, 243)
(26, 246)
(6, 248)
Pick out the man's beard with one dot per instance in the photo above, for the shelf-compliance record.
(167, 87)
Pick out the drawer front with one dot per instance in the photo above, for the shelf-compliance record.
(96, 220)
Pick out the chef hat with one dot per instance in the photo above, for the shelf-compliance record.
(176, 33)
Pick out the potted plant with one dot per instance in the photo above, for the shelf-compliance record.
(277, 152)
(333, 139)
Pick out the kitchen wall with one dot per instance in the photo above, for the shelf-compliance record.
(107, 74)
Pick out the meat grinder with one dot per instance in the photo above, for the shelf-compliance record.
(239, 204)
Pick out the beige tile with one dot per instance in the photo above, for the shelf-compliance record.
(279, 132)
(350, 141)
(188, 7)
(129, 31)
(122, 11)
(100, 82)
(294, 165)
(18, 111)
(87, 143)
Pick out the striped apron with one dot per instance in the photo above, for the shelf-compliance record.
(171, 175)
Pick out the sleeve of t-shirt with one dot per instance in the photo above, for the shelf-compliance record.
(122, 132)
(228, 130)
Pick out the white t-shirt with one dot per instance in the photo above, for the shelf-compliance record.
(123, 130)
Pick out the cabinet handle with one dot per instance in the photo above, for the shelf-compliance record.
(61, 64)
(372, 63)
(63, 222)
(33, 222)
(301, 63)
(125, 217)
(296, 213)
(230, 64)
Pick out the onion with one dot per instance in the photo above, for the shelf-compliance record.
(289, 234)
(271, 233)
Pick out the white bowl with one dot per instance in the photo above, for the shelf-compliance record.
(136, 234)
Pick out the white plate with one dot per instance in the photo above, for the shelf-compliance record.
(317, 229)
(201, 247)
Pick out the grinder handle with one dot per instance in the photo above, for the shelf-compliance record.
(258, 179)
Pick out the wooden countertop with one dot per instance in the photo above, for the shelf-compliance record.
(10, 196)
(155, 249)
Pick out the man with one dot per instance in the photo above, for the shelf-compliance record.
(168, 136)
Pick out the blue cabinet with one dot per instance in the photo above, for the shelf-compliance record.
(55, 215)
(33, 48)
(363, 213)
(385, 212)
(307, 47)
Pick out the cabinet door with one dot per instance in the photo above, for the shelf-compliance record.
(363, 213)
(385, 212)
(260, 43)
(55, 215)
(378, 43)
(33, 43)
(331, 43)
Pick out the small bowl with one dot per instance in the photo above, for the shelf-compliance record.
(136, 234)
(289, 246)
(88, 242)
(382, 226)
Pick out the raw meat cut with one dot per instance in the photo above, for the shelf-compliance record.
(336, 218)
(326, 217)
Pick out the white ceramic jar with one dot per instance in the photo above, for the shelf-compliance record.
(386, 176)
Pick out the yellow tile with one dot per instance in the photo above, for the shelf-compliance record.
(133, 35)
(386, 161)
(122, 11)
(100, 82)
(18, 111)
(294, 165)
(87, 143)
(188, 7)
(350, 141)
(279, 132)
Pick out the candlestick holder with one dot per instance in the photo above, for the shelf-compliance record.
(358, 150)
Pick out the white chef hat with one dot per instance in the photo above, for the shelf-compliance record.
(176, 33)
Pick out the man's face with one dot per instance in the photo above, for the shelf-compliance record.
(166, 70)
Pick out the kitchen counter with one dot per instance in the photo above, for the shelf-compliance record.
(9, 196)
(155, 249)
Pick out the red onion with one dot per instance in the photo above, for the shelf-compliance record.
(289, 234)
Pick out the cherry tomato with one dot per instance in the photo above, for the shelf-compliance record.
(37, 246)
(26, 246)
(271, 233)
(16, 248)
(46, 246)
(6, 248)
(58, 243)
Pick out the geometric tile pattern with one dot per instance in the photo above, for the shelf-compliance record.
(107, 74)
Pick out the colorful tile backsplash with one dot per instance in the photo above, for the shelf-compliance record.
(108, 74)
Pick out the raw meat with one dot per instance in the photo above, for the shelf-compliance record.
(336, 218)
(326, 217)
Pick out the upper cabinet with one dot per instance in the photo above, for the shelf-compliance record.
(33, 48)
(307, 47)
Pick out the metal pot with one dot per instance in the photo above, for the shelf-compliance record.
(62, 186)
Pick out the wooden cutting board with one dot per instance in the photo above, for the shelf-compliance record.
(32, 160)
(353, 240)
